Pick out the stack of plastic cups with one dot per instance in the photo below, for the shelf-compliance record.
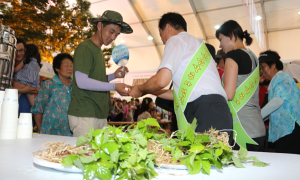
(25, 126)
(9, 115)
(1, 100)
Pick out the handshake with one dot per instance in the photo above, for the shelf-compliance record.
(126, 90)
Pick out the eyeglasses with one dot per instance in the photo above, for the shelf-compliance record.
(20, 51)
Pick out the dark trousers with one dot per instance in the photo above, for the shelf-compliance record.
(211, 111)
(289, 143)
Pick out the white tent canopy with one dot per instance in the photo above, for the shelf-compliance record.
(281, 20)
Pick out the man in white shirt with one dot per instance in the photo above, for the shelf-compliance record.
(207, 101)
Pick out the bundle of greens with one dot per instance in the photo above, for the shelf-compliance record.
(118, 154)
(131, 153)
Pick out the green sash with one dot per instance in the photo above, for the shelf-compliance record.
(242, 95)
(193, 73)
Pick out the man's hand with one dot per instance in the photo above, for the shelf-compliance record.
(135, 92)
(120, 72)
(120, 88)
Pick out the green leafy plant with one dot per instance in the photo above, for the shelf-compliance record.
(121, 153)
(116, 152)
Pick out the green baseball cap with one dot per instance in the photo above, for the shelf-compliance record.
(114, 17)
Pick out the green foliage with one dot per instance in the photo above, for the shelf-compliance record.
(116, 152)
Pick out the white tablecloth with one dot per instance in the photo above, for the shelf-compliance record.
(16, 163)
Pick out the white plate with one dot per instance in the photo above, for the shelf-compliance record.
(56, 166)
(177, 167)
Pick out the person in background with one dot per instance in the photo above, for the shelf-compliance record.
(24, 105)
(220, 60)
(283, 106)
(111, 105)
(117, 111)
(90, 96)
(52, 102)
(138, 107)
(125, 110)
(27, 71)
(239, 64)
(146, 107)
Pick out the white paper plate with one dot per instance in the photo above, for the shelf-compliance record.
(56, 166)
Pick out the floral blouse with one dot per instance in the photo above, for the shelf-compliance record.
(282, 120)
(53, 102)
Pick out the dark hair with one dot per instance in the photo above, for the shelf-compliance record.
(145, 105)
(124, 101)
(19, 40)
(174, 19)
(105, 23)
(32, 51)
(137, 100)
(211, 50)
(271, 57)
(57, 60)
(232, 28)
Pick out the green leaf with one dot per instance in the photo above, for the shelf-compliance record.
(196, 168)
(218, 152)
(82, 140)
(260, 164)
(110, 147)
(114, 157)
(193, 125)
(242, 154)
(196, 148)
(237, 162)
(82, 152)
(184, 143)
(97, 132)
(68, 161)
(132, 160)
(151, 122)
(127, 147)
(141, 124)
(206, 166)
(141, 140)
(143, 153)
(148, 135)
(103, 172)
(87, 159)
(78, 163)
(123, 137)
(89, 171)
(104, 156)
(190, 135)
(206, 156)
(218, 164)
(177, 154)
(205, 138)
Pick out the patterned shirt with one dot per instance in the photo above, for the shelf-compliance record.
(53, 101)
(282, 121)
(29, 75)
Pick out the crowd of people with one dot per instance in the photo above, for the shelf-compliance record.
(219, 89)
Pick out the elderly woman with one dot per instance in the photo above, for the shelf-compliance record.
(52, 102)
(283, 106)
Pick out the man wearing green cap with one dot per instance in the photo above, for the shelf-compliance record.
(90, 94)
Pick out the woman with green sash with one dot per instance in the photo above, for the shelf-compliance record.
(283, 106)
(240, 84)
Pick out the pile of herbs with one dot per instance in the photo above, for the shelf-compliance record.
(120, 153)
(117, 153)
(198, 152)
